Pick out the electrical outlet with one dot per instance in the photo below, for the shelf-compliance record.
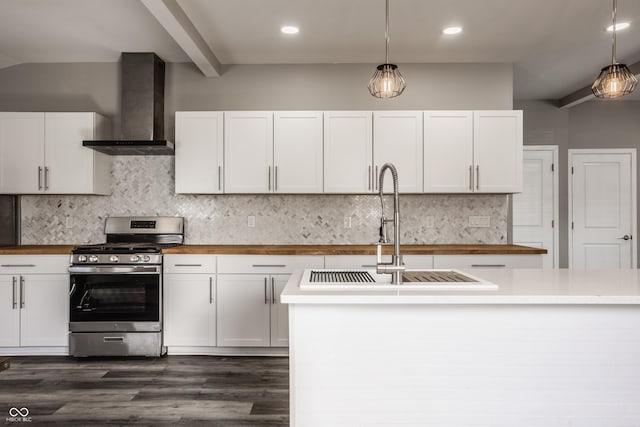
(479, 221)
(251, 221)
(347, 222)
(428, 221)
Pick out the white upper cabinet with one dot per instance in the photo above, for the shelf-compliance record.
(497, 151)
(448, 151)
(397, 139)
(348, 151)
(43, 153)
(472, 151)
(248, 152)
(297, 152)
(199, 152)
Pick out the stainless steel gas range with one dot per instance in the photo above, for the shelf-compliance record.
(116, 288)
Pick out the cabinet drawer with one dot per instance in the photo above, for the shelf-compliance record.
(182, 263)
(369, 261)
(487, 261)
(266, 264)
(34, 264)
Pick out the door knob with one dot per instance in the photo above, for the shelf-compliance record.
(625, 237)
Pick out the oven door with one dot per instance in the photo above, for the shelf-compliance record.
(115, 298)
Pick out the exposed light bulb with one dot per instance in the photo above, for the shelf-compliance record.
(452, 30)
(290, 29)
(619, 26)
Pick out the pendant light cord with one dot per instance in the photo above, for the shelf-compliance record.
(386, 34)
(613, 45)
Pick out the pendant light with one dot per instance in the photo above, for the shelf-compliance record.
(387, 82)
(615, 80)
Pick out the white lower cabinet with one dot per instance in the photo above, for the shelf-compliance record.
(414, 262)
(189, 303)
(487, 261)
(34, 304)
(249, 310)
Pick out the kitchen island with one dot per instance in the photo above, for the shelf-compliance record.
(546, 348)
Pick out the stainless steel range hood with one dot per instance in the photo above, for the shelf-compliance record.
(142, 109)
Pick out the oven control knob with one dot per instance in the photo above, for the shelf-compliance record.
(135, 258)
(93, 258)
(114, 258)
(82, 258)
(146, 258)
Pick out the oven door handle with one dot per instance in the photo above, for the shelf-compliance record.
(92, 269)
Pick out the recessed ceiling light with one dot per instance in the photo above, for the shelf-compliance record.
(290, 29)
(619, 26)
(452, 30)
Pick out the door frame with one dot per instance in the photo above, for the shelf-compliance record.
(634, 206)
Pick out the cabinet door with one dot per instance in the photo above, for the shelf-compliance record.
(21, 153)
(243, 311)
(199, 154)
(348, 143)
(448, 151)
(497, 151)
(45, 315)
(248, 152)
(9, 311)
(189, 310)
(279, 312)
(297, 151)
(397, 139)
(70, 168)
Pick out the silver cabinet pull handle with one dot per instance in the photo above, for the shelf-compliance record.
(187, 265)
(22, 298)
(375, 181)
(273, 292)
(269, 265)
(489, 265)
(113, 339)
(219, 178)
(470, 178)
(39, 177)
(46, 178)
(369, 173)
(275, 179)
(15, 289)
(18, 265)
(266, 300)
(368, 265)
(477, 177)
(210, 290)
(269, 178)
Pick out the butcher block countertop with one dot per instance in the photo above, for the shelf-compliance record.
(353, 249)
(36, 250)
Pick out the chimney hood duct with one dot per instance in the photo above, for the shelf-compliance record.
(142, 109)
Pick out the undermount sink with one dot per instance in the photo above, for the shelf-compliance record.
(411, 280)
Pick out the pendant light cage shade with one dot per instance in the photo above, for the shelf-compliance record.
(387, 82)
(614, 81)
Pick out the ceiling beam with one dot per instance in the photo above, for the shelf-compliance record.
(179, 26)
(585, 94)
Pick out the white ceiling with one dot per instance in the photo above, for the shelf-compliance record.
(556, 46)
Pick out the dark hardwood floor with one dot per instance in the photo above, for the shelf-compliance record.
(171, 391)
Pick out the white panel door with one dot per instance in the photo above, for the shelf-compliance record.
(397, 139)
(21, 153)
(248, 152)
(45, 315)
(9, 311)
(279, 312)
(199, 152)
(602, 208)
(189, 310)
(348, 152)
(535, 209)
(297, 151)
(243, 311)
(448, 151)
(497, 151)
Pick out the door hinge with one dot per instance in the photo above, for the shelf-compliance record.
(553, 223)
(571, 170)
(572, 225)
(553, 168)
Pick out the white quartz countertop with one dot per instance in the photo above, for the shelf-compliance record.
(517, 286)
